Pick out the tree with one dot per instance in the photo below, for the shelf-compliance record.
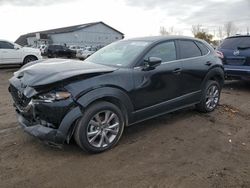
(204, 36)
(230, 29)
(169, 31)
(163, 31)
(196, 29)
(220, 33)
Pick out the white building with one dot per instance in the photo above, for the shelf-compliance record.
(90, 34)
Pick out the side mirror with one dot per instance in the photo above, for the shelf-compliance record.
(16, 47)
(152, 62)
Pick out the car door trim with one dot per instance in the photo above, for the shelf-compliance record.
(168, 101)
(179, 60)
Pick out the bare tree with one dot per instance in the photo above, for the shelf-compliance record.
(220, 33)
(163, 31)
(230, 29)
(196, 29)
(169, 31)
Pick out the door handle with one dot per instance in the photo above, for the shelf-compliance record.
(208, 63)
(177, 71)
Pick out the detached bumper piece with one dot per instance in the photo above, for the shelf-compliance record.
(48, 135)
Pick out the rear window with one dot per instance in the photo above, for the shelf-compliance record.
(203, 48)
(189, 49)
(234, 43)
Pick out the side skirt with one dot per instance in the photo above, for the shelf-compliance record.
(166, 107)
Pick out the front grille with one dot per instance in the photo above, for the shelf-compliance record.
(21, 101)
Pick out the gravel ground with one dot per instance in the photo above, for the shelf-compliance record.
(181, 149)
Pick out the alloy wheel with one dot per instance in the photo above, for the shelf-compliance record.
(103, 129)
(212, 97)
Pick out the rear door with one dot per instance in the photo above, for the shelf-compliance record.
(195, 63)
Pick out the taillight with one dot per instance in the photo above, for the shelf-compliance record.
(219, 54)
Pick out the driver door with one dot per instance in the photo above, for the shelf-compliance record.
(155, 87)
(9, 55)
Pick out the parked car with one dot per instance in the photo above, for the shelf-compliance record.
(59, 51)
(83, 54)
(235, 54)
(43, 48)
(11, 53)
(126, 82)
(76, 48)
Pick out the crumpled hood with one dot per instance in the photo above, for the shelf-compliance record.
(48, 71)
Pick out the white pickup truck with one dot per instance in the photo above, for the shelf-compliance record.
(11, 53)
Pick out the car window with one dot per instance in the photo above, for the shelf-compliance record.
(6, 45)
(166, 51)
(52, 47)
(189, 49)
(203, 48)
(234, 43)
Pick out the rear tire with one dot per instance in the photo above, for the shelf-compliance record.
(100, 128)
(210, 97)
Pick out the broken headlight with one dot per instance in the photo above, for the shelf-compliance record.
(54, 96)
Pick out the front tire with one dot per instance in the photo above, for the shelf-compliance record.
(210, 97)
(100, 128)
(28, 59)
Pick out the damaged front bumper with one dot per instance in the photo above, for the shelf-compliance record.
(49, 135)
(52, 136)
(51, 122)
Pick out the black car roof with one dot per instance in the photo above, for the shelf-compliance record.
(238, 36)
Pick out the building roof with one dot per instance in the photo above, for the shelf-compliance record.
(22, 40)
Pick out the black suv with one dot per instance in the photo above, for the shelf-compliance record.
(124, 83)
(235, 54)
(59, 51)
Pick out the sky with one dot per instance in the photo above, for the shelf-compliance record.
(134, 18)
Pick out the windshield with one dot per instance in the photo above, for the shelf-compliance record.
(234, 43)
(121, 53)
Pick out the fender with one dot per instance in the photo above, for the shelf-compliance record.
(214, 72)
(67, 124)
(103, 92)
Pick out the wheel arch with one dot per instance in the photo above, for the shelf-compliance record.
(110, 94)
(29, 55)
(216, 74)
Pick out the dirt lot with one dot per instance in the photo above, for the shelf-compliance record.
(182, 149)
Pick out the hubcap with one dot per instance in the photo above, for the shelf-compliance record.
(212, 97)
(103, 128)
